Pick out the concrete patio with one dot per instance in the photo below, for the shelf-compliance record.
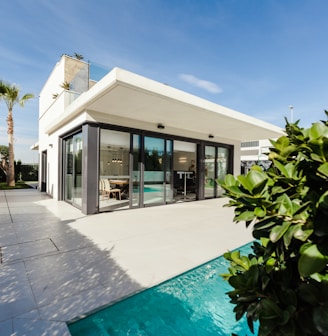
(58, 264)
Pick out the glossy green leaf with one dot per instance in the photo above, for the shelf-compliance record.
(237, 281)
(230, 180)
(289, 150)
(302, 235)
(288, 236)
(299, 209)
(252, 179)
(318, 129)
(269, 309)
(320, 147)
(253, 276)
(317, 157)
(323, 169)
(260, 187)
(323, 200)
(245, 216)
(286, 205)
(278, 231)
(265, 223)
(241, 261)
(281, 167)
(269, 265)
(281, 143)
(311, 261)
(259, 212)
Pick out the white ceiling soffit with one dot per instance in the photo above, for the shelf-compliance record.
(125, 94)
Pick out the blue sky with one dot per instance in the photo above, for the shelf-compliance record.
(255, 56)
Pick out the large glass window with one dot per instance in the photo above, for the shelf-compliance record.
(137, 170)
(114, 173)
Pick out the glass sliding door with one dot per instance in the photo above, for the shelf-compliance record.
(69, 165)
(169, 190)
(222, 161)
(73, 170)
(216, 168)
(154, 171)
(77, 184)
(136, 171)
(184, 171)
(114, 173)
(210, 171)
(151, 171)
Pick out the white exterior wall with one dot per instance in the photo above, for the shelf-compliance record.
(51, 87)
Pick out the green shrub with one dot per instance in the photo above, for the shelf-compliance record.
(283, 283)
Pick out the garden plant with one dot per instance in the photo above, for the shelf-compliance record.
(283, 282)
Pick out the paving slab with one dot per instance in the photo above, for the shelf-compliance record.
(58, 264)
(16, 296)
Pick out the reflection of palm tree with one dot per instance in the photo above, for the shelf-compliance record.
(153, 161)
(221, 170)
(10, 95)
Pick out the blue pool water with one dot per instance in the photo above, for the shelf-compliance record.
(191, 304)
(147, 189)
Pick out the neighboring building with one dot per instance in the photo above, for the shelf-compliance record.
(255, 152)
(127, 141)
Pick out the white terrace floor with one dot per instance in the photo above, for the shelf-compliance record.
(57, 264)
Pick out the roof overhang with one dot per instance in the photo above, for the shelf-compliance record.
(122, 94)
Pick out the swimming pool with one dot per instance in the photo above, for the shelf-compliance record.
(193, 303)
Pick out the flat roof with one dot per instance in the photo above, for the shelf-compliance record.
(123, 94)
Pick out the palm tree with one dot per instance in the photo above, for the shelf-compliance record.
(78, 56)
(10, 95)
(65, 85)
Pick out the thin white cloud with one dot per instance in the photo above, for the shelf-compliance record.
(200, 83)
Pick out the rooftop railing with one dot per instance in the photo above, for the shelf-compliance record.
(80, 77)
(97, 71)
(87, 74)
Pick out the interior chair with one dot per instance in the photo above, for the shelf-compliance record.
(106, 189)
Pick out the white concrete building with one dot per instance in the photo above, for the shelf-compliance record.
(255, 153)
(127, 141)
